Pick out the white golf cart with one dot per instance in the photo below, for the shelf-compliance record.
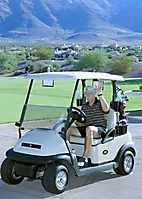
(42, 151)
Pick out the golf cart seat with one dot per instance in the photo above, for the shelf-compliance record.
(108, 136)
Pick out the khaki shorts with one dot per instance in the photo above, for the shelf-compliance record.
(82, 130)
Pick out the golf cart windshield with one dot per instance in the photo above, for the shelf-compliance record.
(45, 106)
(38, 116)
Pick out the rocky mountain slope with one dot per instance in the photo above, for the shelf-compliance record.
(83, 21)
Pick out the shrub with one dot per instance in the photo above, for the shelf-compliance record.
(31, 66)
(55, 67)
(122, 64)
(43, 69)
(40, 67)
(18, 72)
(70, 59)
(95, 60)
(7, 61)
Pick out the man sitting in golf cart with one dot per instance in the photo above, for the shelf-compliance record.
(96, 122)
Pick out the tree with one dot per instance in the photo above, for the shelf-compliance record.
(27, 53)
(94, 60)
(130, 53)
(42, 52)
(122, 64)
(119, 50)
(70, 59)
(7, 61)
(20, 56)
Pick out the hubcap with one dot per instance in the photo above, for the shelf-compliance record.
(14, 173)
(128, 162)
(61, 179)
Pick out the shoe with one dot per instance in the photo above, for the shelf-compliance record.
(83, 162)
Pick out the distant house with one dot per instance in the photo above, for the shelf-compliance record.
(114, 46)
(59, 54)
(115, 53)
(139, 55)
(63, 54)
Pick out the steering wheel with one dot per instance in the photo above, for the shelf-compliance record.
(78, 114)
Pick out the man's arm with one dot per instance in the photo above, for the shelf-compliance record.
(104, 104)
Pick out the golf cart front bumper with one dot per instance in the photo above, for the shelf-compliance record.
(28, 165)
(29, 159)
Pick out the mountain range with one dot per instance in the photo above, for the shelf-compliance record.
(78, 21)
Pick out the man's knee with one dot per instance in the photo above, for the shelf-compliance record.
(89, 131)
(73, 131)
(92, 131)
(68, 133)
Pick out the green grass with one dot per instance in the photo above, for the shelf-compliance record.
(13, 90)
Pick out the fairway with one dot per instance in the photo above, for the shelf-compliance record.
(13, 92)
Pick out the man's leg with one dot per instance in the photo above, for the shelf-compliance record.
(72, 131)
(91, 132)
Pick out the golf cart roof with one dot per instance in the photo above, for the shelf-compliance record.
(74, 75)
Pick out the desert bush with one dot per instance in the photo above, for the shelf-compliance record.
(43, 69)
(70, 59)
(40, 67)
(18, 72)
(42, 52)
(122, 64)
(55, 67)
(94, 60)
(31, 66)
(7, 61)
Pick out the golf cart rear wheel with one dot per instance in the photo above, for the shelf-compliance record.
(8, 172)
(55, 178)
(126, 164)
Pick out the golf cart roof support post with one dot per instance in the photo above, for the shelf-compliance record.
(26, 102)
(114, 90)
(29, 91)
(69, 109)
(75, 89)
(83, 86)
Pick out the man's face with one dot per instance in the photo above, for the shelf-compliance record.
(89, 95)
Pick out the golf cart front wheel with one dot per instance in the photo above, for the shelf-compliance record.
(126, 164)
(8, 172)
(55, 178)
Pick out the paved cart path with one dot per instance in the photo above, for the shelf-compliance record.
(103, 185)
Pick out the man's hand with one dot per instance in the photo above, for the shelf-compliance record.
(100, 87)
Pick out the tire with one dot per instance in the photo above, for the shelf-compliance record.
(8, 173)
(55, 178)
(126, 164)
